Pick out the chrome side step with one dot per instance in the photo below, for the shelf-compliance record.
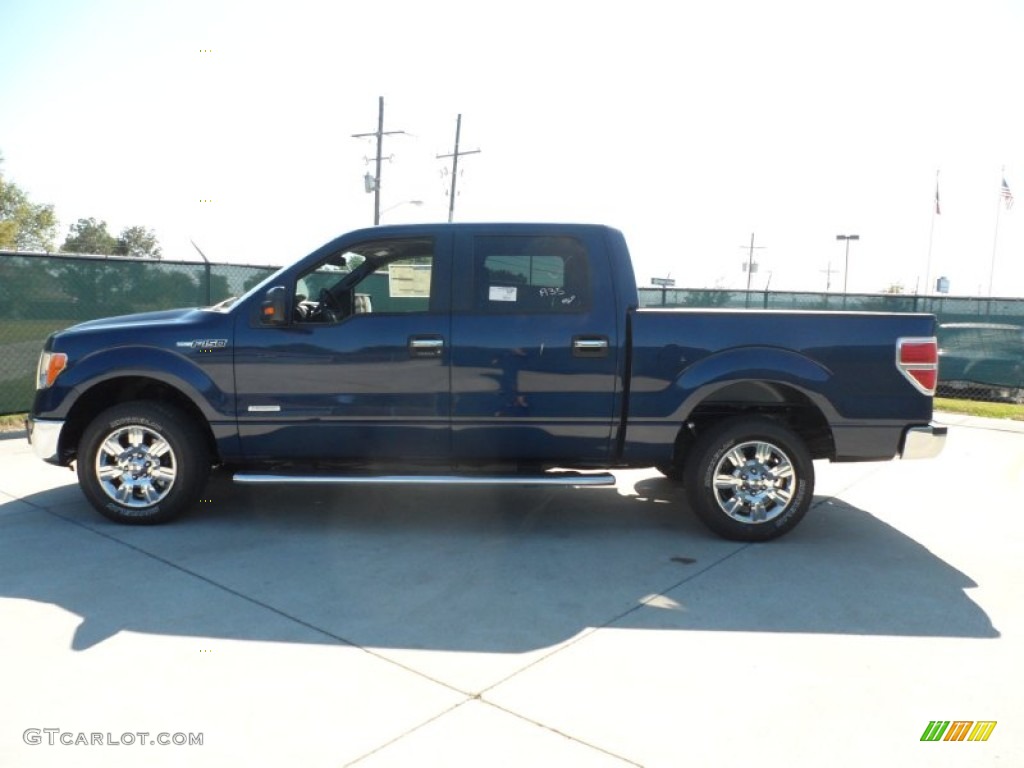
(548, 478)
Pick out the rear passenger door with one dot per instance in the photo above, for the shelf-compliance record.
(534, 348)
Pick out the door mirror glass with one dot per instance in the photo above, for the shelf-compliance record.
(274, 310)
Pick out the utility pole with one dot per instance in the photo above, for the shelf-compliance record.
(455, 165)
(380, 133)
(751, 265)
(828, 276)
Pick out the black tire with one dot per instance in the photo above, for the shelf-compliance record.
(773, 489)
(142, 463)
(671, 471)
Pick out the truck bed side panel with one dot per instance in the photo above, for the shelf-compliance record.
(844, 364)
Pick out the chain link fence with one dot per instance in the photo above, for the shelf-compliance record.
(42, 293)
(981, 341)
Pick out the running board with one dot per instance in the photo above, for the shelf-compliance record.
(548, 478)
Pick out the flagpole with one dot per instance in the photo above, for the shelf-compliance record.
(995, 239)
(931, 233)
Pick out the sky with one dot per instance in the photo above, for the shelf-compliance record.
(689, 126)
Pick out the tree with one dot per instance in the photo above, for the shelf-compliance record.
(139, 242)
(89, 236)
(24, 225)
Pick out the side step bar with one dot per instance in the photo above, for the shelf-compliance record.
(548, 478)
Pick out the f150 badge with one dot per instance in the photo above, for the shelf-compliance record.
(203, 345)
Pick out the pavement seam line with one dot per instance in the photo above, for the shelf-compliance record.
(588, 632)
(259, 603)
(411, 731)
(498, 707)
(554, 730)
(23, 500)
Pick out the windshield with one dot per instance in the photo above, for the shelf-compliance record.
(223, 306)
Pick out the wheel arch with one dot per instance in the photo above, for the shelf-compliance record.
(125, 389)
(781, 401)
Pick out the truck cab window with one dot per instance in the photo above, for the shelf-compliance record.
(392, 276)
(531, 274)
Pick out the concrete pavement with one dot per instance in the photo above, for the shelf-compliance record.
(462, 627)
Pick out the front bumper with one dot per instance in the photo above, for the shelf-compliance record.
(923, 442)
(44, 437)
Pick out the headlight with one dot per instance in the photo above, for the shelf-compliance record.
(50, 366)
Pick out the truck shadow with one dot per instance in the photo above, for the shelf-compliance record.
(462, 569)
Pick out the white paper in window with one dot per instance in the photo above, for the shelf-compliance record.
(502, 293)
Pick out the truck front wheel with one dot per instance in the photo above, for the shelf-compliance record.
(749, 478)
(142, 463)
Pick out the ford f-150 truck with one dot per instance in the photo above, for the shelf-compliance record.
(480, 353)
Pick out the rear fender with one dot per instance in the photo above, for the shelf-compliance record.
(700, 381)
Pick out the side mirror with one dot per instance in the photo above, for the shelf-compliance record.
(274, 310)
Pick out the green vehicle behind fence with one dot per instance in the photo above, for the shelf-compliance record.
(986, 358)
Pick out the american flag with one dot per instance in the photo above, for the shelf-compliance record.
(1007, 194)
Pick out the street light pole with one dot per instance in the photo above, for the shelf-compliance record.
(846, 268)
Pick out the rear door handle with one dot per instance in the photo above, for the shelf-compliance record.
(590, 346)
(426, 346)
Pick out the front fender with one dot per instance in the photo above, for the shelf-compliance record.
(207, 385)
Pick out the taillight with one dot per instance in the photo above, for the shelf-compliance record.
(918, 360)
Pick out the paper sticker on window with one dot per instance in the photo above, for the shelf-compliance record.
(502, 293)
(409, 281)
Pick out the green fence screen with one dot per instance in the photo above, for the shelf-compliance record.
(40, 294)
(982, 340)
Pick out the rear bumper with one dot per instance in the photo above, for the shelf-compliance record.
(44, 437)
(923, 442)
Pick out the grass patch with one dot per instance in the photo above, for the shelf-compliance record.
(31, 330)
(980, 408)
(13, 422)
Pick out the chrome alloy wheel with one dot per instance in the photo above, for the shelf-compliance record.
(135, 466)
(755, 482)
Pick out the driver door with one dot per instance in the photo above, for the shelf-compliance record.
(360, 374)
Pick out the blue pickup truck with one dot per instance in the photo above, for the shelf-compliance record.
(484, 354)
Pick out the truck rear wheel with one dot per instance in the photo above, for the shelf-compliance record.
(671, 471)
(142, 463)
(750, 479)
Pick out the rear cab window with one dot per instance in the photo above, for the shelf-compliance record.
(517, 274)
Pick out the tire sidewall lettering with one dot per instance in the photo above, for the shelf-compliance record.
(171, 424)
(724, 437)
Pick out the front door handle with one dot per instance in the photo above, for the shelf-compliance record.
(426, 346)
(590, 346)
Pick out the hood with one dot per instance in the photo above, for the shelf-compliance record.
(142, 320)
